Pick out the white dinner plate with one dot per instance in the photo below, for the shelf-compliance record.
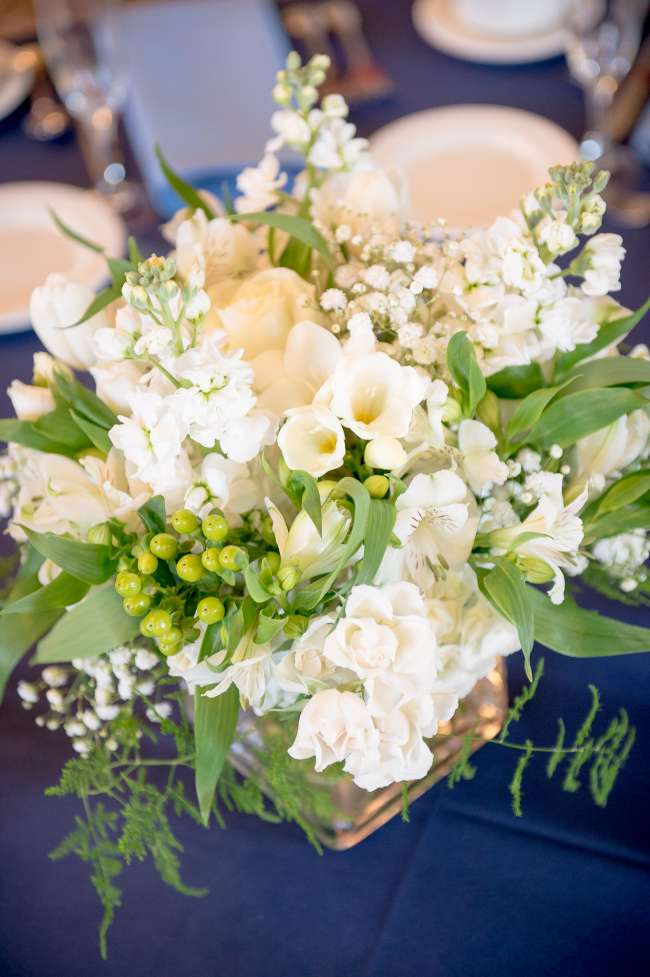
(31, 246)
(16, 78)
(438, 24)
(469, 164)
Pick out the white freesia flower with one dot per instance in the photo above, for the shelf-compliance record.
(302, 546)
(333, 727)
(220, 248)
(312, 440)
(30, 402)
(291, 377)
(481, 465)
(433, 522)
(604, 254)
(258, 312)
(54, 309)
(259, 185)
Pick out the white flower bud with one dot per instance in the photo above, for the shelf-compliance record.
(54, 676)
(28, 692)
(386, 453)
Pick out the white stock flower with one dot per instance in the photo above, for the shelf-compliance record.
(623, 554)
(54, 309)
(481, 464)
(30, 402)
(115, 382)
(259, 185)
(312, 440)
(568, 322)
(502, 255)
(605, 253)
(337, 146)
(558, 236)
(333, 727)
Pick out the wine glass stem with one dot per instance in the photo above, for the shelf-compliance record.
(598, 99)
(98, 139)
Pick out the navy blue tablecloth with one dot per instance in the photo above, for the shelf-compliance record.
(464, 890)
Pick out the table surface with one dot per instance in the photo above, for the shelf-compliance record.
(464, 890)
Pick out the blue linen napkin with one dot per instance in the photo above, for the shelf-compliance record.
(200, 76)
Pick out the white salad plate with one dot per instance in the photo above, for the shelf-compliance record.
(16, 78)
(438, 23)
(31, 246)
(469, 164)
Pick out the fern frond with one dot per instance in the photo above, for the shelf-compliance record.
(463, 769)
(515, 786)
(525, 696)
(558, 754)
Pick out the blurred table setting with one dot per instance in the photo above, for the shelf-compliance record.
(474, 100)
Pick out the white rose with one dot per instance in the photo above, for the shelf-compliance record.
(30, 403)
(312, 440)
(258, 313)
(54, 308)
(368, 201)
(333, 726)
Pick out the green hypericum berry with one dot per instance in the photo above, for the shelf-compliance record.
(147, 564)
(377, 485)
(190, 568)
(128, 584)
(210, 559)
(163, 546)
(232, 557)
(184, 521)
(157, 623)
(137, 606)
(171, 642)
(210, 610)
(215, 528)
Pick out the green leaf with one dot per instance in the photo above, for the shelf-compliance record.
(215, 721)
(90, 562)
(303, 490)
(297, 256)
(63, 591)
(505, 588)
(186, 192)
(135, 254)
(109, 294)
(608, 333)
(515, 382)
(59, 426)
(530, 410)
(96, 435)
(621, 521)
(461, 360)
(19, 632)
(578, 414)
(83, 401)
(24, 432)
(267, 628)
(74, 235)
(297, 227)
(610, 371)
(381, 519)
(90, 629)
(577, 633)
(118, 268)
(254, 586)
(153, 514)
(624, 492)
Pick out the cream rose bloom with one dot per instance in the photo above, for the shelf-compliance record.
(54, 308)
(333, 727)
(368, 201)
(312, 440)
(258, 311)
(218, 247)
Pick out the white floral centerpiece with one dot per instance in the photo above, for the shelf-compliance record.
(335, 465)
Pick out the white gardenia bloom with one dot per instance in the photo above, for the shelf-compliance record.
(259, 311)
(220, 248)
(560, 533)
(302, 546)
(368, 201)
(30, 402)
(259, 185)
(434, 521)
(612, 448)
(312, 440)
(605, 253)
(374, 395)
(481, 464)
(333, 727)
(54, 309)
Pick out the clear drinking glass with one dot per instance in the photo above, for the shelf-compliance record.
(79, 40)
(602, 39)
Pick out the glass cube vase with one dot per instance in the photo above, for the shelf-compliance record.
(346, 813)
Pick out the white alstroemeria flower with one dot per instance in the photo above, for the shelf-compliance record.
(220, 248)
(259, 185)
(560, 534)
(151, 439)
(481, 464)
(29, 402)
(54, 308)
(433, 521)
(333, 727)
(258, 311)
(301, 546)
(374, 395)
(312, 440)
(385, 634)
(291, 378)
(612, 448)
(253, 671)
(605, 253)
(568, 322)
